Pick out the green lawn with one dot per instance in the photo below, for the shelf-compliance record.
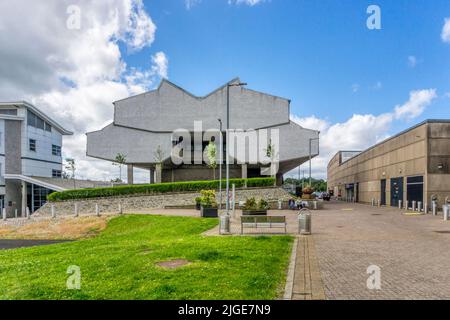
(120, 264)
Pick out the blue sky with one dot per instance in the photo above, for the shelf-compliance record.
(357, 86)
(313, 52)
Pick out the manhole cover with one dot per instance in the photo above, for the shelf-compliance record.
(442, 231)
(173, 264)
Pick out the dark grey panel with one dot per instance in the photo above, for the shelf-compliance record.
(13, 163)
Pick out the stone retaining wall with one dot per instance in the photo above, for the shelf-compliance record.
(142, 202)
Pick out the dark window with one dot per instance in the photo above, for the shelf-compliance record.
(31, 119)
(56, 173)
(48, 127)
(56, 150)
(40, 123)
(9, 112)
(32, 145)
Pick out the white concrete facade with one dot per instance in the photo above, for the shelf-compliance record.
(30, 146)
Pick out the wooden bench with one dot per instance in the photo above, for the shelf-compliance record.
(263, 222)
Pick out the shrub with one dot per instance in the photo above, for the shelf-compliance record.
(252, 204)
(156, 188)
(208, 199)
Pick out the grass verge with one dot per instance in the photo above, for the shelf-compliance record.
(121, 263)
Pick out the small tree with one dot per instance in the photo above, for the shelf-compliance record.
(119, 161)
(158, 155)
(211, 152)
(71, 168)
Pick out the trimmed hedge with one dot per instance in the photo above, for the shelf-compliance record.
(155, 188)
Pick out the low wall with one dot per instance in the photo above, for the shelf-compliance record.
(142, 202)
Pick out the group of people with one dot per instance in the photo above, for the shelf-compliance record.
(296, 204)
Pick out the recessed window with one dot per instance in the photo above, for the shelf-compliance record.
(48, 127)
(37, 122)
(32, 145)
(56, 150)
(56, 173)
(9, 112)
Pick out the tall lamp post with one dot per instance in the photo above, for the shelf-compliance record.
(220, 164)
(240, 84)
(310, 158)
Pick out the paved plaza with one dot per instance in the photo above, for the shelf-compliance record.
(413, 252)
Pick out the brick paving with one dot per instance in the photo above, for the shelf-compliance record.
(413, 252)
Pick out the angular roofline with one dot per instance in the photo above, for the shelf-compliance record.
(427, 121)
(164, 80)
(33, 108)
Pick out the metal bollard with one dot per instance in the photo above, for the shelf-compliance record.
(224, 224)
(15, 213)
(445, 208)
(379, 202)
(425, 208)
(419, 206)
(28, 213)
(4, 214)
(304, 222)
(400, 204)
(53, 211)
(314, 205)
(97, 210)
(120, 209)
(434, 208)
(406, 204)
(414, 205)
(76, 209)
(373, 202)
(280, 204)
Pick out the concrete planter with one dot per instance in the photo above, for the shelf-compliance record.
(254, 212)
(209, 212)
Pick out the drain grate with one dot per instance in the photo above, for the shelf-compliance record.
(376, 214)
(443, 231)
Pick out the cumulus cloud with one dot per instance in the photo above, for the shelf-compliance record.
(191, 3)
(75, 74)
(418, 101)
(361, 130)
(445, 34)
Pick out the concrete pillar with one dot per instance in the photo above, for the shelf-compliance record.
(130, 177)
(244, 169)
(158, 173)
(152, 176)
(24, 199)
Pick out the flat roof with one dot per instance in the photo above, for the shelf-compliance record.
(396, 135)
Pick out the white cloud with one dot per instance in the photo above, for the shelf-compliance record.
(247, 2)
(377, 86)
(361, 130)
(191, 3)
(418, 101)
(412, 61)
(355, 87)
(445, 34)
(160, 64)
(75, 75)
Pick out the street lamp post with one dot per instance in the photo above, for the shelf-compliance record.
(227, 206)
(310, 158)
(220, 164)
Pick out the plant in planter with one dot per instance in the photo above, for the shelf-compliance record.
(198, 201)
(208, 204)
(308, 192)
(252, 207)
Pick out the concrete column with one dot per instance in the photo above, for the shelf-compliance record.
(152, 176)
(24, 199)
(158, 173)
(130, 177)
(244, 169)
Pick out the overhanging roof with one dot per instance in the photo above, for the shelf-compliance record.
(38, 112)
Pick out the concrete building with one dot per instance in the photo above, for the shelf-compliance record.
(146, 129)
(30, 157)
(413, 165)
